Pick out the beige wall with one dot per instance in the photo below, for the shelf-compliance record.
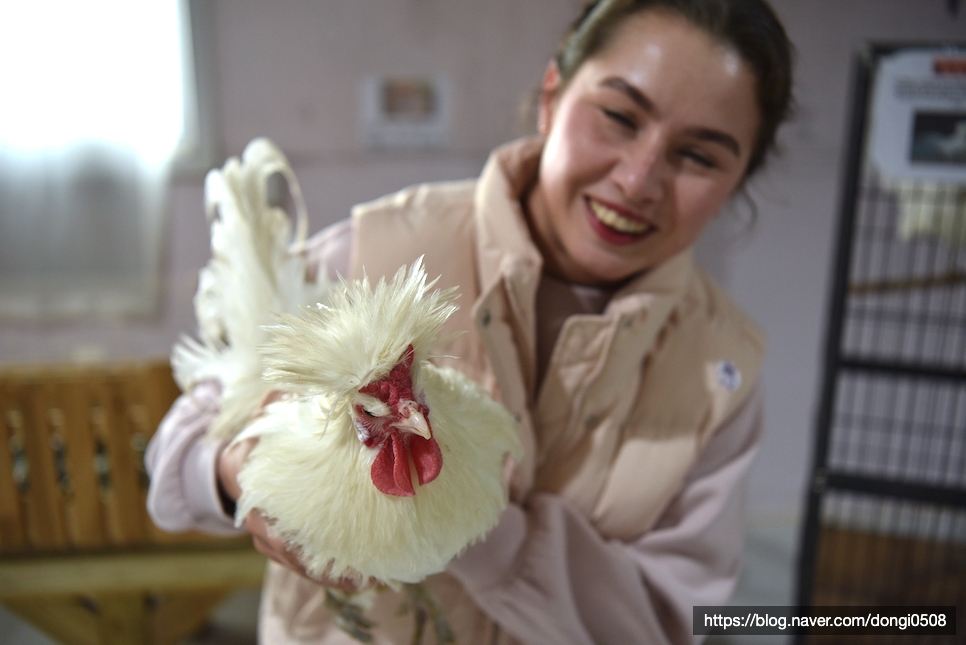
(290, 70)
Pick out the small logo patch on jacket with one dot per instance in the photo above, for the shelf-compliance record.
(729, 376)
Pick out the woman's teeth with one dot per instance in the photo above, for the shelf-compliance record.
(611, 218)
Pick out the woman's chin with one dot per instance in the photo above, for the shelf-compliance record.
(599, 269)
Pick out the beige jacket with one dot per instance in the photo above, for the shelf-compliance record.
(622, 445)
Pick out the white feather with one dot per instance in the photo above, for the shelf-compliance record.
(359, 335)
(256, 272)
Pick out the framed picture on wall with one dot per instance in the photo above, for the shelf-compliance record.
(405, 112)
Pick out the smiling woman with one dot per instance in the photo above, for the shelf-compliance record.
(641, 150)
(104, 107)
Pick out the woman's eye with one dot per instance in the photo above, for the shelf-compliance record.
(619, 118)
(699, 157)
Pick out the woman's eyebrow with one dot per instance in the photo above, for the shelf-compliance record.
(634, 94)
(716, 136)
(705, 134)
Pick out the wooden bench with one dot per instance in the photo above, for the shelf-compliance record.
(79, 557)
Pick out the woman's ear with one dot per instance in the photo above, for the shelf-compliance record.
(549, 90)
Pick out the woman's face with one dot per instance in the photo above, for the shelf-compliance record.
(643, 146)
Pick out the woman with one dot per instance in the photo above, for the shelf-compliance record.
(635, 378)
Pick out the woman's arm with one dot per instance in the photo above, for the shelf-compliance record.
(547, 576)
(184, 493)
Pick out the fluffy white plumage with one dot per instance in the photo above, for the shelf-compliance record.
(256, 272)
(377, 463)
(309, 471)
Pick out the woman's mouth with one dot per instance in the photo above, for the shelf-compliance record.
(614, 226)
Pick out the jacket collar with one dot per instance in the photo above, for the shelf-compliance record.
(503, 238)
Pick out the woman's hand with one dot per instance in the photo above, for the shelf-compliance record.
(230, 462)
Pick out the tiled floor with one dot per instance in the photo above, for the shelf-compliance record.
(768, 575)
(766, 580)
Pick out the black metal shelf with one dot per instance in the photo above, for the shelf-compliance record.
(831, 480)
(887, 491)
(916, 370)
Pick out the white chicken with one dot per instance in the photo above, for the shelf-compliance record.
(376, 464)
(384, 466)
(371, 412)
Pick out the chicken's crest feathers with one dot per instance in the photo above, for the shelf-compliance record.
(359, 335)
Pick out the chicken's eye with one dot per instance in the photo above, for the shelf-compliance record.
(371, 407)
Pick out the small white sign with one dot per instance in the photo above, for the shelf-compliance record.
(918, 118)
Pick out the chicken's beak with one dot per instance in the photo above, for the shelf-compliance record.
(413, 420)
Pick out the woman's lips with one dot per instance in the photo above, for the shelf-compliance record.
(614, 226)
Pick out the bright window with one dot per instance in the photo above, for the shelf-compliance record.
(98, 100)
(106, 70)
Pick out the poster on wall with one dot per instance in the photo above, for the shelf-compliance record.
(917, 139)
(918, 119)
(405, 112)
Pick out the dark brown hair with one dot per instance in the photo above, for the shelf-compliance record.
(748, 26)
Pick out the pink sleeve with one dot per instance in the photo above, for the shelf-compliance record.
(547, 576)
(181, 464)
(330, 248)
(183, 494)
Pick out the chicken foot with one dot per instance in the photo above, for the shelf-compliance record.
(426, 609)
(349, 614)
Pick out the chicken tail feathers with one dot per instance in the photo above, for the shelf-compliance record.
(257, 271)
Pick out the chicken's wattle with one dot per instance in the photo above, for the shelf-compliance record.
(390, 471)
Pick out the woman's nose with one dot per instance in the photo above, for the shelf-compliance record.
(642, 169)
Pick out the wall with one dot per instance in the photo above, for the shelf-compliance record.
(291, 71)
